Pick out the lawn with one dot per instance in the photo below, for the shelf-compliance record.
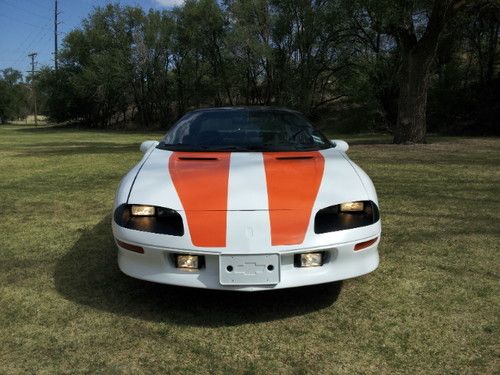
(431, 307)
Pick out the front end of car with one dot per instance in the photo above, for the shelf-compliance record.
(347, 256)
(255, 238)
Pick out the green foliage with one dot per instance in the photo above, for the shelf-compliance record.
(56, 95)
(338, 61)
(466, 85)
(14, 95)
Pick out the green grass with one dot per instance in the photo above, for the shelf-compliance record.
(431, 307)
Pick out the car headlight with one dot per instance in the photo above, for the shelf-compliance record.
(137, 210)
(346, 215)
(352, 206)
(149, 219)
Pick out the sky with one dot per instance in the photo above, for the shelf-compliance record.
(27, 26)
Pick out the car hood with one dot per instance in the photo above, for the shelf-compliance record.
(246, 181)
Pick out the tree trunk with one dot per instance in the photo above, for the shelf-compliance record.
(412, 102)
(417, 56)
(492, 49)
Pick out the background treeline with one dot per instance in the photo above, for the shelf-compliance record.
(350, 65)
(14, 95)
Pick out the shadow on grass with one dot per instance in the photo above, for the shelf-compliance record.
(68, 128)
(76, 148)
(370, 141)
(32, 128)
(88, 274)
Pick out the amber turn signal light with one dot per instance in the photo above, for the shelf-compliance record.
(365, 244)
(127, 246)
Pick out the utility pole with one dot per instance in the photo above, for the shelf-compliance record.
(33, 93)
(55, 34)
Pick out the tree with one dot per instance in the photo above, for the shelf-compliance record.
(251, 45)
(14, 95)
(151, 57)
(417, 49)
(351, 64)
(202, 66)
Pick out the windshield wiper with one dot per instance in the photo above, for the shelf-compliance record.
(182, 147)
(249, 148)
(227, 148)
(299, 133)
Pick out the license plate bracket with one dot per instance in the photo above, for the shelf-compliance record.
(262, 269)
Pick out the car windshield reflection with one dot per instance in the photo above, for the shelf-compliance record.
(244, 129)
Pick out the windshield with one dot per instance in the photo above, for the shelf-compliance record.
(244, 129)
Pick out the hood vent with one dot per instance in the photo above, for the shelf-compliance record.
(208, 158)
(294, 157)
(197, 158)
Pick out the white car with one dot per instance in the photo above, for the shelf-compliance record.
(248, 199)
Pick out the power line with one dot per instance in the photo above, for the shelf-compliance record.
(24, 10)
(33, 37)
(26, 45)
(56, 23)
(28, 40)
(16, 20)
(20, 50)
(36, 4)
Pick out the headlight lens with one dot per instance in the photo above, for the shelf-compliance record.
(347, 215)
(142, 210)
(352, 207)
(152, 219)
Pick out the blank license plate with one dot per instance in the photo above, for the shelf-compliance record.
(249, 269)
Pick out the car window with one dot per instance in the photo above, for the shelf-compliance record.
(244, 130)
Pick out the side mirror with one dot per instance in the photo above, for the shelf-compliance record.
(146, 145)
(340, 145)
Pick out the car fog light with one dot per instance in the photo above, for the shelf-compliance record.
(142, 210)
(311, 259)
(352, 207)
(187, 261)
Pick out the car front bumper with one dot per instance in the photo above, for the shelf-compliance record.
(156, 264)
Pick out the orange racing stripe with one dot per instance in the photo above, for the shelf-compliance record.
(293, 180)
(201, 181)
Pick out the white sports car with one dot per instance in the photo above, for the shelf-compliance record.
(246, 198)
